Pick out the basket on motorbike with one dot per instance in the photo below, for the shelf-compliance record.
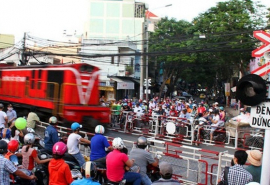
(238, 127)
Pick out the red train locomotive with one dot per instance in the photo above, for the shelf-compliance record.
(68, 91)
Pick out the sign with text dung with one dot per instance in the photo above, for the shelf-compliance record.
(260, 116)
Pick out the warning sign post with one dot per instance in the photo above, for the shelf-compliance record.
(260, 116)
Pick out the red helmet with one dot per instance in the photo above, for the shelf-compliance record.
(13, 146)
(59, 148)
(173, 107)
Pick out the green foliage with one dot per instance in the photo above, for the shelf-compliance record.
(228, 30)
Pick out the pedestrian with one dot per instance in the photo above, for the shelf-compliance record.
(7, 167)
(3, 117)
(32, 118)
(73, 143)
(166, 172)
(59, 171)
(255, 167)
(11, 114)
(237, 175)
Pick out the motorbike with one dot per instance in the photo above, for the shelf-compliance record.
(15, 180)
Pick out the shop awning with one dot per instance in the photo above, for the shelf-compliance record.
(123, 83)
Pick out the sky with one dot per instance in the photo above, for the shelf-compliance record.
(48, 18)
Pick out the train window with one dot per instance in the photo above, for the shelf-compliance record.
(33, 74)
(39, 85)
(90, 69)
(83, 68)
(39, 74)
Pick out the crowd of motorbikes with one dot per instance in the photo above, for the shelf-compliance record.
(170, 124)
(41, 170)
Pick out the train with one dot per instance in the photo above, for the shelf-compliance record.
(68, 91)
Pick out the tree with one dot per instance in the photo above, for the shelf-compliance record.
(228, 30)
(170, 34)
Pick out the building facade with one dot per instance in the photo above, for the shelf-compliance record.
(115, 28)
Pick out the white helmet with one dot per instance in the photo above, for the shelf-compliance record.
(99, 129)
(118, 143)
(53, 120)
(202, 121)
(29, 139)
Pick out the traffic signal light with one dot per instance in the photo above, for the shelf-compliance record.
(251, 90)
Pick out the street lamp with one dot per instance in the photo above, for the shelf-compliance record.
(147, 46)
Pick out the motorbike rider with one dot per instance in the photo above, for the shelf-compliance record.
(50, 135)
(32, 118)
(89, 172)
(73, 142)
(143, 158)
(29, 154)
(116, 162)
(59, 171)
(125, 107)
(7, 167)
(98, 145)
(166, 172)
(13, 146)
(215, 123)
(173, 112)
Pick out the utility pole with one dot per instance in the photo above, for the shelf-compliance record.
(23, 56)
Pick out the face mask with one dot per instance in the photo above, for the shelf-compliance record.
(10, 108)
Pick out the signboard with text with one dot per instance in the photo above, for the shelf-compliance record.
(260, 116)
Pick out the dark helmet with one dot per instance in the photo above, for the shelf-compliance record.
(142, 142)
(89, 170)
(3, 147)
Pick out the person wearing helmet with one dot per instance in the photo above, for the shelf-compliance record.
(99, 143)
(73, 143)
(173, 112)
(7, 167)
(89, 172)
(13, 146)
(116, 162)
(59, 171)
(222, 113)
(143, 158)
(50, 135)
(122, 118)
(29, 154)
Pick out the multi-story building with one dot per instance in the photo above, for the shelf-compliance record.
(115, 27)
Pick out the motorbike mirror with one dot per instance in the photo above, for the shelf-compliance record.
(14, 160)
(30, 130)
